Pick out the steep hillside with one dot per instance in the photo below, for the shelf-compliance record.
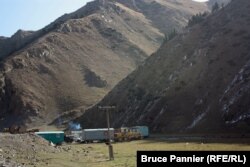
(50, 75)
(197, 82)
(167, 15)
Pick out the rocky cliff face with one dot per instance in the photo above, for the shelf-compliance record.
(55, 73)
(196, 82)
(19, 39)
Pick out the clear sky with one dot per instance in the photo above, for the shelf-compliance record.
(33, 14)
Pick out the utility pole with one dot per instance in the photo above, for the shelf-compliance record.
(107, 109)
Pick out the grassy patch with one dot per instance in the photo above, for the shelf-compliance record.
(96, 155)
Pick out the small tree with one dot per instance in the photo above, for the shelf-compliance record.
(197, 18)
(215, 7)
(222, 5)
(170, 35)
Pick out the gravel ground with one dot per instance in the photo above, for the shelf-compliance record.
(30, 150)
(22, 147)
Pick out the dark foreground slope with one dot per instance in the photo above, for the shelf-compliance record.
(197, 82)
(53, 74)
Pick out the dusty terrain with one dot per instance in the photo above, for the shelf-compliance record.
(22, 149)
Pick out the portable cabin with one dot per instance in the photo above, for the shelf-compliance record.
(56, 137)
(142, 129)
(77, 135)
(97, 134)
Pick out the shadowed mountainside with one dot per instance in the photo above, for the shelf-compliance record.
(196, 82)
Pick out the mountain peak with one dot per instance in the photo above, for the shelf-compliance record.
(59, 71)
(21, 34)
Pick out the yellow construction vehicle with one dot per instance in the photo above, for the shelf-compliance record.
(126, 134)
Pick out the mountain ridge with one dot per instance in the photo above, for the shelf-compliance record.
(60, 70)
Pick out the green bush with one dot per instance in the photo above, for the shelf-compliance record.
(215, 7)
(197, 18)
(170, 35)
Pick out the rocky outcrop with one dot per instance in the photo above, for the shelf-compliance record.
(235, 106)
(93, 80)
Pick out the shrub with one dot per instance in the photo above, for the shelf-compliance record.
(215, 7)
(170, 35)
(197, 18)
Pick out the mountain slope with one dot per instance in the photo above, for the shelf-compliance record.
(50, 75)
(155, 11)
(197, 82)
(167, 15)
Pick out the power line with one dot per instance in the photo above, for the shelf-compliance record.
(107, 109)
